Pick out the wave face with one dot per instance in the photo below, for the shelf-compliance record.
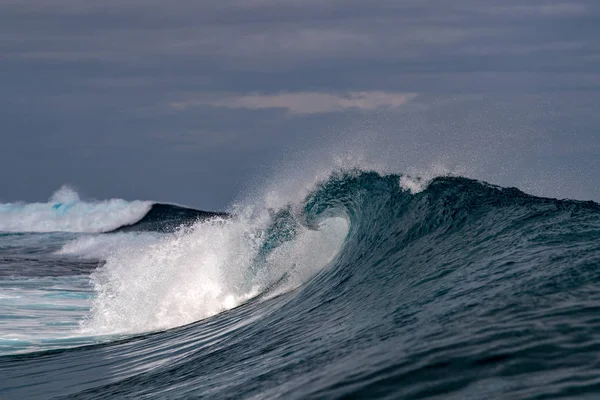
(364, 288)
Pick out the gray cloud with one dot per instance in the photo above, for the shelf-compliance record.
(305, 102)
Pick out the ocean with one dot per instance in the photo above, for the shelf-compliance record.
(365, 285)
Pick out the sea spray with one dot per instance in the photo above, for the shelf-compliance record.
(150, 283)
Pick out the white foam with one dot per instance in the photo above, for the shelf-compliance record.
(418, 179)
(171, 280)
(65, 212)
(413, 184)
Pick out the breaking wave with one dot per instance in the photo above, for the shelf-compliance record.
(366, 285)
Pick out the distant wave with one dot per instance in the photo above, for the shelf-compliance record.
(65, 212)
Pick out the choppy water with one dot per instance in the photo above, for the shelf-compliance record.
(361, 288)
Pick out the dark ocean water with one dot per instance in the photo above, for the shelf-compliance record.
(362, 289)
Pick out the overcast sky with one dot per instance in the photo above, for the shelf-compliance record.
(193, 101)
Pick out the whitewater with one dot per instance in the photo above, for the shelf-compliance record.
(350, 283)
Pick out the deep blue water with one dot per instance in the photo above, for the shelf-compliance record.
(361, 289)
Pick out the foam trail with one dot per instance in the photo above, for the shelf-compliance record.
(42, 312)
(65, 212)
